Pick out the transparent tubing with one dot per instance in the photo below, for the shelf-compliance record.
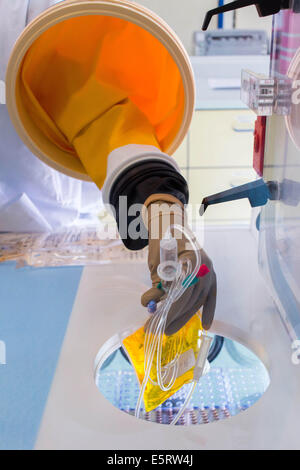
(198, 372)
(157, 324)
(185, 405)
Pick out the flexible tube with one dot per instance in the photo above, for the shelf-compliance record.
(198, 372)
(184, 406)
(156, 328)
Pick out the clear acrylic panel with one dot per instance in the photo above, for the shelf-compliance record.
(280, 220)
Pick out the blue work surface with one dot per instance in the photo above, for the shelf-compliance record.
(35, 306)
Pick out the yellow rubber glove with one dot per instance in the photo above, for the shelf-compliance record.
(94, 83)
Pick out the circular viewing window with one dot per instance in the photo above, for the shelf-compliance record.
(237, 379)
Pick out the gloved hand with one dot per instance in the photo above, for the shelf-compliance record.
(203, 294)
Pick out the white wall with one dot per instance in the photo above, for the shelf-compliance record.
(186, 16)
(247, 18)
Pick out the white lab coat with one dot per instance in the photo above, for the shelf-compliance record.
(33, 197)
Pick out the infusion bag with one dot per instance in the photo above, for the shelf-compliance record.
(180, 349)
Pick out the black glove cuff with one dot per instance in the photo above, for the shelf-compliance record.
(137, 183)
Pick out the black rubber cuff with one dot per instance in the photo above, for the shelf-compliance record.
(136, 184)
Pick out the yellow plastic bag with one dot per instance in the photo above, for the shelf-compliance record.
(185, 343)
(95, 83)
